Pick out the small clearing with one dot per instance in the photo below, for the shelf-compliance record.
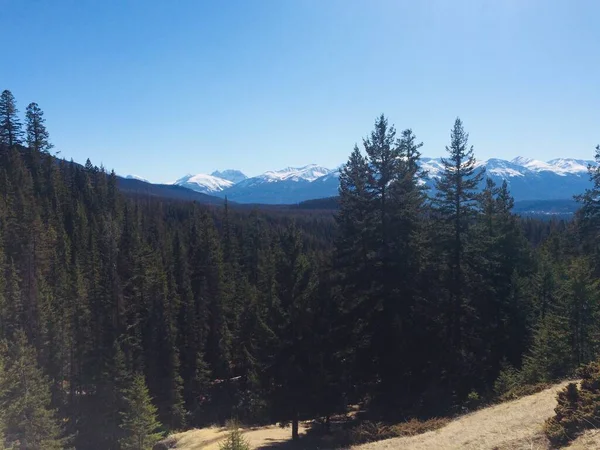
(210, 438)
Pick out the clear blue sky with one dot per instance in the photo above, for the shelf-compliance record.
(162, 88)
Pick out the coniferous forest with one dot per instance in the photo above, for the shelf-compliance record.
(123, 318)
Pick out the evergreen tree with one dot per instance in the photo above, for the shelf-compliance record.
(395, 327)
(501, 259)
(588, 215)
(139, 421)
(11, 132)
(455, 204)
(37, 135)
(580, 293)
(30, 421)
(234, 440)
(400, 304)
(290, 320)
(355, 220)
(383, 155)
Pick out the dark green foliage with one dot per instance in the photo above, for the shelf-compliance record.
(567, 331)
(37, 135)
(455, 202)
(138, 419)
(578, 408)
(11, 132)
(235, 439)
(29, 420)
(589, 214)
(400, 302)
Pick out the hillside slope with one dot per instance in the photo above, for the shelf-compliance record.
(509, 426)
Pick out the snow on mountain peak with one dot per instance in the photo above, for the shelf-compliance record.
(433, 166)
(204, 183)
(570, 165)
(136, 177)
(504, 169)
(308, 173)
(521, 160)
(233, 175)
(532, 164)
(560, 166)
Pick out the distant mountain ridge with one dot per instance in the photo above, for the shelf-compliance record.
(235, 176)
(528, 179)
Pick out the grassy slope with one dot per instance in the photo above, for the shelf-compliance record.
(512, 425)
(210, 438)
(509, 426)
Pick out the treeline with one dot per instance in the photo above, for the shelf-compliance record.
(135, 316)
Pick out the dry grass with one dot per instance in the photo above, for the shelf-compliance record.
(210, 438)
(199, 438)
(376, 431)
(513, 425)
(588, 440)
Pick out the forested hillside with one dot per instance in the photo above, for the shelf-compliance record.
(125, 317)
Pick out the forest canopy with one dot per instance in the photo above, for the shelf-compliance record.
(133, 316)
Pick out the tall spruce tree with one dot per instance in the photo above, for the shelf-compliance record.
(235, 313)
(11, 132)
(588, 215)
(399, 320)
(37, 134)
(455, 204)
(138, 419)
(501, 257)
(290, 320)
(30, 421)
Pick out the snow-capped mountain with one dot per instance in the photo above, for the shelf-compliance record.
(207, 184)
(289, 185)
(136, 177)
(569, 165)
(235, 176)
(298, 174)
(528, 179)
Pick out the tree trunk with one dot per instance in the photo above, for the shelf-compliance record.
(295, 427)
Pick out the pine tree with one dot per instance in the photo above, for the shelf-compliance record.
(396, 325)
(30, 420)
(455, 204)
(234, 440)
(139, 421)
(355, 263)
(355, 219)
(383, 155)
(14, 312)
(2, 413)
(11, 132)
(37, 135)
(290, 321)
(379, 249)
(580, 292)
(501, 258)
(588, 216)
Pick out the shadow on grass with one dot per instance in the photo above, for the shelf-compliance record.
(315, 438)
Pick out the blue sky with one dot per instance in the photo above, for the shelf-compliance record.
(163, 88)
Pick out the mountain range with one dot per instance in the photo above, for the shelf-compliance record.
(528, 179)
